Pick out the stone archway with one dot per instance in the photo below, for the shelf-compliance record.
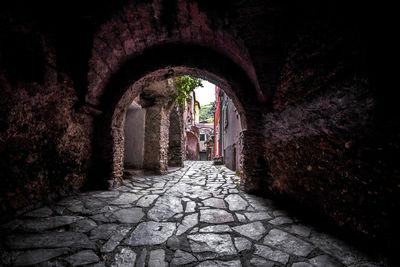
(136, 46)
(138, 27)
(128, 83)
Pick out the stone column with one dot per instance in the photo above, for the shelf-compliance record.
(156, 138)
(253, 165)
(255, 172)
(176, 142)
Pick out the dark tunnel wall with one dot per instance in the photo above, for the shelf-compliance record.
(327, 141)
(44, 136)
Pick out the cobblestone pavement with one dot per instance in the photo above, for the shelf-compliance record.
(195, 216)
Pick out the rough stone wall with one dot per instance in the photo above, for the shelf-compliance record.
(45, 134)
(118, 137)
(252, 162)
(176, 142)
(324, 153)
(315, 60)
(327, 145)
(164, 139)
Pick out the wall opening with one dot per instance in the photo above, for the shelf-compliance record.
(160, 133)
(159, 65)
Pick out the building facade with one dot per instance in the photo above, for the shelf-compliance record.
(227, 129)
(192, 135)
(206, 137)
(199, 135)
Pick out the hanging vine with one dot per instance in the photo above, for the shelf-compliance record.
(185, 86)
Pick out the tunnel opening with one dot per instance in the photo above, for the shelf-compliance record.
(186, 131)
(158, 78)
(222, 72)
(131, 57)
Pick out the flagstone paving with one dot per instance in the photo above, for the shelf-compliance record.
(195, 216)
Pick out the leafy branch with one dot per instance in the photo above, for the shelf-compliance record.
(185, 85)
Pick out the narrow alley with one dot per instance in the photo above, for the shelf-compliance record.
(194, 216)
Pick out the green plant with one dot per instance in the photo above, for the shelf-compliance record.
(185, 85)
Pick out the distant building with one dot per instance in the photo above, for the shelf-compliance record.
(196, 107)
(192, 135)
(227, 129)
(199, 136)
(206, 140)
(217, 113)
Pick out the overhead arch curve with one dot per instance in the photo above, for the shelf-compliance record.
(155, 64)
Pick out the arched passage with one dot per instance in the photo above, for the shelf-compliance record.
(155, 65)
(330, 142)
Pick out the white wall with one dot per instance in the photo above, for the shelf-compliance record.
(231, 128)
(134, 136)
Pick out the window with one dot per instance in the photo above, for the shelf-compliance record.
(202, 137)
